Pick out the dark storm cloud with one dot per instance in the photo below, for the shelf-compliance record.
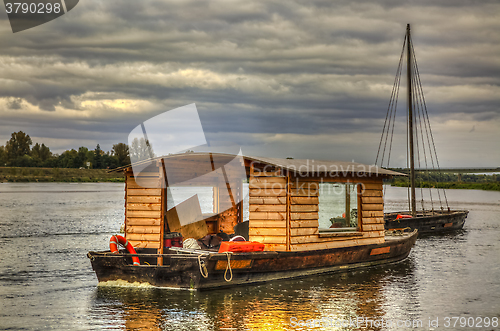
(263, 68)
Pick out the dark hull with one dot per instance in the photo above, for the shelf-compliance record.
(182, 271)
(437, 222)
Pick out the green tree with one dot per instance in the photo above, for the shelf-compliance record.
(45, 153)
(24, 161)
(82, 156)
(3, 156)
(97, 157)
(35, 154)
(109, 161)
(120, 150)
(18, 145)
(90, 158)
(68, 159)
(40, 154)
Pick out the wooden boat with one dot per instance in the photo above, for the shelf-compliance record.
(289, 211)
(430, 221)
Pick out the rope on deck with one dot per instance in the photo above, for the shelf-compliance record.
(398, 232)
(228, 267)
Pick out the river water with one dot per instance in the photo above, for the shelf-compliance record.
(47, 282)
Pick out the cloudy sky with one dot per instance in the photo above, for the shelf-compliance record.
(303, 79)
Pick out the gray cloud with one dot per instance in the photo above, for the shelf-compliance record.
(319, 70)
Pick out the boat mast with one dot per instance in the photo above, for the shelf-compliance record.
(410, 122)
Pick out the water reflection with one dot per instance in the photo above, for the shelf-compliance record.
(281, 305)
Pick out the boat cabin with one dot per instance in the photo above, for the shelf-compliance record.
(285, 204)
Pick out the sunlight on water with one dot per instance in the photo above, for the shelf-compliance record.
(124, 283)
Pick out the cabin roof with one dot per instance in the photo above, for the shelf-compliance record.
(311, 166)
(302, 166)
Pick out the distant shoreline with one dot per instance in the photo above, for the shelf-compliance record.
(61, 175)
(492, 186)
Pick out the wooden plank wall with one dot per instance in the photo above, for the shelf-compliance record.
(372, 210)
(228, 219)
(143, 210)
(268, 211)
(304, 217)
(304, 207)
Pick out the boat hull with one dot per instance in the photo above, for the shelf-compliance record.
(435, 223)
(182, 271)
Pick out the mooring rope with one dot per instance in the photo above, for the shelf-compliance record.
(203, 267)
(228, 267)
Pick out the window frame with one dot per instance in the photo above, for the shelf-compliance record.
(344, 231)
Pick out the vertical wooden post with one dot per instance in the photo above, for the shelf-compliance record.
(240, 204)
(216, 199)
(127, 176)
(163, 186)
(288, 212)
(347, 205)
(360, 207)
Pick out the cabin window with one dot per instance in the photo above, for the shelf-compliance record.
(178, 194)
(338, 207)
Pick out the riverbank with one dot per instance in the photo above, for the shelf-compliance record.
(69, 175)
(492, 186)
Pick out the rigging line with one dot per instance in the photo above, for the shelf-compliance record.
(422, 119)
(419, 115)
(390, 102)
(391, 118)
(421, 95)
(391, 107)
(432, 139)
(387, 117)
(420, 145)
(389, 114)
(394, 119)
(427, 129)
(419, 103)
(414, 113)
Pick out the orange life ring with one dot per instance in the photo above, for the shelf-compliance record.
(117, 239)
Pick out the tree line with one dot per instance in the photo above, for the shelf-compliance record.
(19, 151)
(427, 178)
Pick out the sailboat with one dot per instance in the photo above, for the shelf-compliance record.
(434, 218)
